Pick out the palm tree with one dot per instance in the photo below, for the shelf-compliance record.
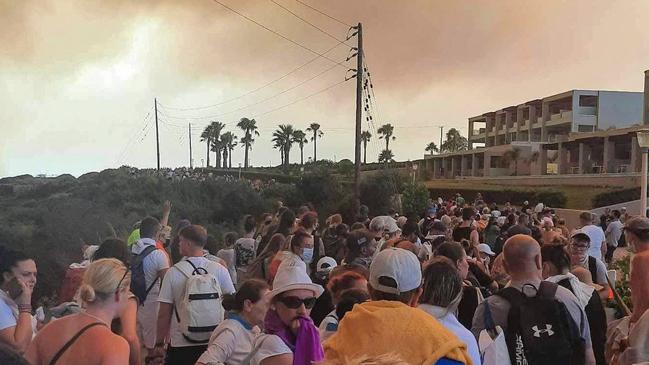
(249, 127)
(283, 137)
(386, 156)
(512, 156)
(216, 145)
(455, 142)
(365, 138)
(229, 142)
(432, 148)
(317, 133)
(386, 132)
(206, 136)
(299, 137)
(278, 145)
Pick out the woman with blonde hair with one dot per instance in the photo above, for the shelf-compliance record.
(86, 337)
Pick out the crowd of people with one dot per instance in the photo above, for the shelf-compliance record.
(464, 283)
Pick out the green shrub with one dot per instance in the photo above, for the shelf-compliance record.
(377, 190)
(552, 198)
(414, 199)
(616, 197)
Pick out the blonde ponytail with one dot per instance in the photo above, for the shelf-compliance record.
(101, 280)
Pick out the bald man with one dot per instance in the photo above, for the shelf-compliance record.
(522, 261)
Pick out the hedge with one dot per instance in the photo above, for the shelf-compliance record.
(616, 197)
(551, 198)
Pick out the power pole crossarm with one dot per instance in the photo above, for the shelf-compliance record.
(359, 100)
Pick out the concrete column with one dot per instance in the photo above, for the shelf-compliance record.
(543, 161)
(645, 114)
(508, 122)
(434, 168)
(497, 124)
(636, 156)
(471, 125)
(608, 157)
(545, 114)
(453, 168)
(486, 166)
(474, 165)
(584, 158)
(562, 159)
(519, 121)
(463, 165)
(533, 117)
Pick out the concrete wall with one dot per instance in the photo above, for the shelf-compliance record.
(629, 180)
(619, 109)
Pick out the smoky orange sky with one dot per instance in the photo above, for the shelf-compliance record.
(78, 77)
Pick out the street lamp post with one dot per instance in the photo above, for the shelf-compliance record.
(643, 142)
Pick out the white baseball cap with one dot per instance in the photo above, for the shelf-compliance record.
(326, 263)
(399, 265)
(291, 275)
(484, 248)
(391, 226)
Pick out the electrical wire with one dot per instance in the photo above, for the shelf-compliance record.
(260, 101)
(258, 88)
(279, 34)
(323, 13)
(301, 99)
(309, 23)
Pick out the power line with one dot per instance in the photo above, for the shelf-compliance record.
(260, 87)
(279, 34)
(134, 136)
(307, 22)
(301, 99)
(323, 13)
(260, 101)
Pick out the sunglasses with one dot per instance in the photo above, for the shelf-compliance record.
(579, 247)
(295, 302)
(267, 222)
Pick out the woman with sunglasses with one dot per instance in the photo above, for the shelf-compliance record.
(86, 338)
(231, 342)
(291, 337)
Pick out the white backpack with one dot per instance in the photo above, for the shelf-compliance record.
(200, 310)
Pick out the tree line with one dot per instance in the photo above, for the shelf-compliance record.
(222, 143)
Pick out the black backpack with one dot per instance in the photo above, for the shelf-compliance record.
(540, 329)
(138, 281)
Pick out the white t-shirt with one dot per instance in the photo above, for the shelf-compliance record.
(154, 262)
(247, 248)
(328, 326)
(227, 255)
(451, 323)
(173, 288)
(230, 343)
(8, 311)
(597, 239)
(266, 346)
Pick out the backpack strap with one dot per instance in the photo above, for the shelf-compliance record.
(592, 267)
(547, 290)
(512, 295)
(71, 341)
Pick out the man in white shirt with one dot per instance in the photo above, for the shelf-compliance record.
(596, 234)
(613, 234)
(181, 350)
(155, 265)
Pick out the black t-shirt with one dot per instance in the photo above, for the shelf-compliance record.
(462, 233)
(481, 277)
(468, 305)
(518, 229)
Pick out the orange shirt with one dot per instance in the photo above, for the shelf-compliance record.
(639, 282)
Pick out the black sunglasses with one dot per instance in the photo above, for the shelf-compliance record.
(119, 284)
(295, 302)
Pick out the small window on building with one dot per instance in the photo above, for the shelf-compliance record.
(585, 128)
(588, 100)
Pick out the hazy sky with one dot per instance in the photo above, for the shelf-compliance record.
(78, 77)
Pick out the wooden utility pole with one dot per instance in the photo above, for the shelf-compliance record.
(191, 163)
(441, 133)
(157, 135)
(359, 109)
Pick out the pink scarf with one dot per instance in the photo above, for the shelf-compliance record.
(305, 344)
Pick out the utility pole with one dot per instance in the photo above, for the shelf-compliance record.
(191, 164)
(359, 100)
(441, 133)
(157, 135)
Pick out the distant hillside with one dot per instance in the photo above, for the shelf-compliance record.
(48, 217)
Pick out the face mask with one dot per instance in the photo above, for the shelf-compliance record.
(307, 255)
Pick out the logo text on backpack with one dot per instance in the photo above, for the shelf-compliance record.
(548, 330)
